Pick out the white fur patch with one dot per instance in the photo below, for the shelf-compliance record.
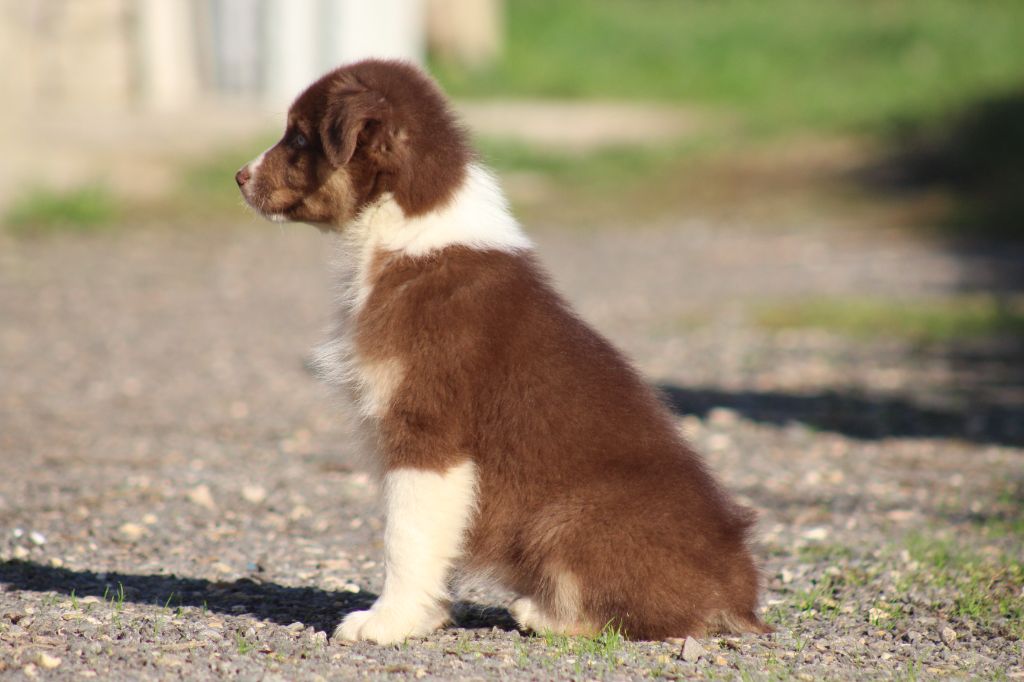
(255, 164)
(477, 217)
(380, 380)
(564, 614)
(428, 514)
(254, 167)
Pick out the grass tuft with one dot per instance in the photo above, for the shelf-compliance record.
(242, 644)
(989, 588)
(41, 210)
(605, 646)
(922, 321)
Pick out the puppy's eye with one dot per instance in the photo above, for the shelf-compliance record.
(299, 141)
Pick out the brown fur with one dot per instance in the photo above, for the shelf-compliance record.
(370, 128)
(590, 504)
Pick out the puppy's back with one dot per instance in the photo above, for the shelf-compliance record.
(589, 500)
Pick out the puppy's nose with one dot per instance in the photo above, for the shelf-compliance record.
(242, 176)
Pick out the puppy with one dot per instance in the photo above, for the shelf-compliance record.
(512, 440)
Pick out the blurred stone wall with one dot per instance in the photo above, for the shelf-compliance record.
(67, 53)
(115, 55)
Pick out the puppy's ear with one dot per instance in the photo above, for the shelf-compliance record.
(352, 115)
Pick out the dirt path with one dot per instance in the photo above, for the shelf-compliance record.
(178, 499)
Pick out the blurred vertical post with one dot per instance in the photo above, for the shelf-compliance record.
(291, 47)
(309, 37)
(385, 28)
(466, 32)
(167, 35)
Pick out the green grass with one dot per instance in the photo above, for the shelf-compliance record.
(1006, 517)
(116, 598)
(786, 64)
(604, 166)
(922, 321)
(243, 645)
(821, 598)
(605, 646)
(572, 185)
(41, 210)
(988, 585)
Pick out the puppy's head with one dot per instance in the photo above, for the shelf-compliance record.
(361, 132)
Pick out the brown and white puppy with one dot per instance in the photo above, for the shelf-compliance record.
(512, 440)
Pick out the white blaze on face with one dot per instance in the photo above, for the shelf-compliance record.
(253, 167)
(255, 164)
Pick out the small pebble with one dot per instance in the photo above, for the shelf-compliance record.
(948, 636)
(37, 538)
(719, 442)
(254, 494)
(132, 531)
(692, 650)
(47, 661)
(202, 496)
(723, 416)
(819, 533)
(300, 511)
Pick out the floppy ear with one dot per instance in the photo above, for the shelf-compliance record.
(349, 112)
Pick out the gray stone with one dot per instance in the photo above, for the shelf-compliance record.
(692, 650)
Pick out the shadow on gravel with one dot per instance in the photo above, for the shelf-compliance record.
(284, 605)
(858, 416)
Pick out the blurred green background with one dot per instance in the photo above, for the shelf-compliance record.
(928, 93)
(778, 67)
(911, 108)
(902, 115)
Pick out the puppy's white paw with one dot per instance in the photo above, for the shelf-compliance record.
(352, 625)
(386, 626)
(528, 615)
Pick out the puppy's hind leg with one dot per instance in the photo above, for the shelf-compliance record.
(562, 614)
(427, 517)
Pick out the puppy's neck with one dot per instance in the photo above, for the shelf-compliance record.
(477, 217)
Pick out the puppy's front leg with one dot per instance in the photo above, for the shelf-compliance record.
(427, 516)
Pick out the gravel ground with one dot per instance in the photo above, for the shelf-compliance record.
(178, 498)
